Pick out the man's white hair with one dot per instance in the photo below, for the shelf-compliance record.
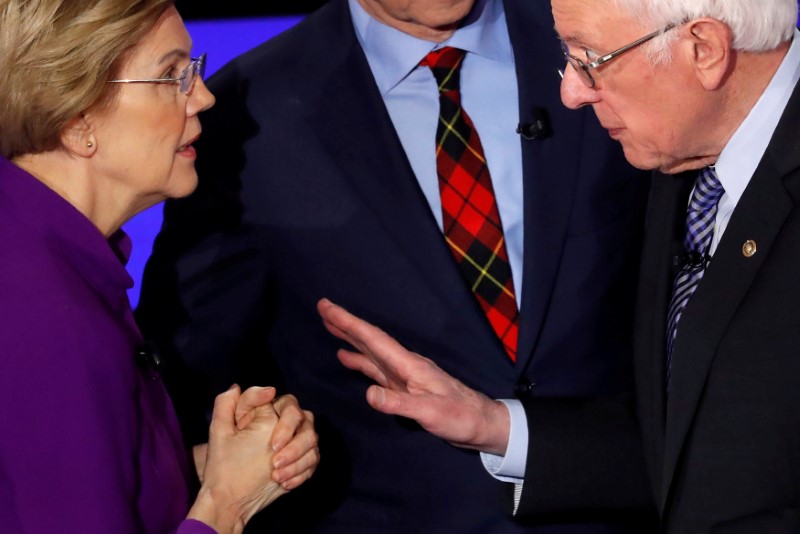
(757, 25)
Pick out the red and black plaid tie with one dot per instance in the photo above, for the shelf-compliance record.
(472, 225)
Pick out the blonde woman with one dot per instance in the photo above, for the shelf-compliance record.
(99, 110)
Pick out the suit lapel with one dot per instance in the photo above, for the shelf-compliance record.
(759, 216)
(549, 166)
(664, 231)
(352, 123)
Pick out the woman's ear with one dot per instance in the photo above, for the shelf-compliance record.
(78, 137)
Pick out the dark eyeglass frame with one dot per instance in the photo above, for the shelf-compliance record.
(196, 68)
(583, 69)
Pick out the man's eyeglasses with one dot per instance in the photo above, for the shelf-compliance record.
(583, 69)
(196, 68)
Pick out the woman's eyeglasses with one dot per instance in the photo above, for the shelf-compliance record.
(196, 68)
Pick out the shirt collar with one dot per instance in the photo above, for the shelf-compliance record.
(392, 54)
(743, 152)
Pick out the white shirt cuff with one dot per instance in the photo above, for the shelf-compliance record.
(511, 466)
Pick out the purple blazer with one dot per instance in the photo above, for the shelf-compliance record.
(89, 440)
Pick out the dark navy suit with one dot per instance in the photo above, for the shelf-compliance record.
(305, 192)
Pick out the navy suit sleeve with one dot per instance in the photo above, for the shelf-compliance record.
(584, 455)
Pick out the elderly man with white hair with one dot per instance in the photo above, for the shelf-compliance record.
(705, 93)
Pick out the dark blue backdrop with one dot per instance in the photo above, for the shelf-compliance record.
(222, 40)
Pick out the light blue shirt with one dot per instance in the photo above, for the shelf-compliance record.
(735, 167)
(488, 94)
(738, 160)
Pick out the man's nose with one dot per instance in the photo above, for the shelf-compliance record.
(574, 92)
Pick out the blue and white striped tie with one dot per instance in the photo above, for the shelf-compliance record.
(699, 231)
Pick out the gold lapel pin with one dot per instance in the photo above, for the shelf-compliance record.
(749, 248)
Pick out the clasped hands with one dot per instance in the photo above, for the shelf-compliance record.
(259, 448)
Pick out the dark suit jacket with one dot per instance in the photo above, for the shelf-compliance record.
(724, 449)
(305, 192)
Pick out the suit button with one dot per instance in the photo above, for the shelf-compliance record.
(524, 389)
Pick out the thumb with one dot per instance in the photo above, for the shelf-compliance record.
(264, 416)
(223, 417)
(384, 400)
(252, 398)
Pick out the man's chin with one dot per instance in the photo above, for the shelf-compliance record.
(645, 162)
(649, 161)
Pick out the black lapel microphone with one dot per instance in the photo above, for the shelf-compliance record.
(536, 129)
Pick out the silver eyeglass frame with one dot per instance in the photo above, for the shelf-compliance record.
(583, 69)
(196, 68)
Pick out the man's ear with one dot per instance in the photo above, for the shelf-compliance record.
(78, 137)
(711, 52)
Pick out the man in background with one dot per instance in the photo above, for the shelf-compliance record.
(371, 154)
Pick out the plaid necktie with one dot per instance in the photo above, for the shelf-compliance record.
(472, 225)
(700, 217)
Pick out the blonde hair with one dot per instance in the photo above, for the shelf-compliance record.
(55, 59)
